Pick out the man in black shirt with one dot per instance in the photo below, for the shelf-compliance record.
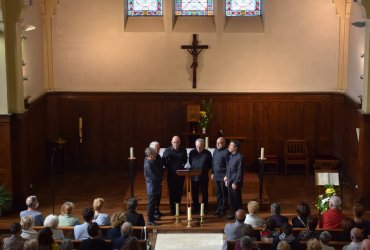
(220, 158)
(234, 177)
(200, 159)
(159, 165)
(174, 158)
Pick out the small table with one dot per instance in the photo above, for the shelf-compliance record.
(188, 173)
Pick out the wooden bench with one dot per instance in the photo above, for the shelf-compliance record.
(77, 243)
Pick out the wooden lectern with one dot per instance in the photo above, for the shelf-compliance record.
(188, 173)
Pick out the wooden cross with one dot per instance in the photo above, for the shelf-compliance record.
(194, 49)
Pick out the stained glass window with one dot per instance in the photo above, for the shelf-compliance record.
(243, 7)
(144, 7)
(194, 8)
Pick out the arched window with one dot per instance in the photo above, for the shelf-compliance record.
(243, 7)
(144, 8)
(194, 7)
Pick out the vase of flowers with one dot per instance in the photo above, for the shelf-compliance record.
(322, 203)
(205, 115)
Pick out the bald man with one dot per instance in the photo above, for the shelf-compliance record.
(234, 231)
(356, 238)
(365, 245)
(175, 158)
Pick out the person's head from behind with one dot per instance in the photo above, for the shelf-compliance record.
(246, 243)
(98, 204)
(356, 235)
(248, 230)
(117, 219)
(132, 204)
(275, 209)
(253, 207)
(312, 221)
(325, 237)
(93, 230)
(358, 210)
(66, 245)
(131, 243)
(51, 221)
(270, 224)
(32, 202)
(26, 222)
(283, 245)
(126, 229)
(31, 245)
(314, 244)
(335, 202)
(67, 208)
(365, 244)
(156, 146)
(240, 215)
(16, 228)
(45, 237)
(150, 153)
(303, 209)
(88, 214)
(287, 229)
(347, 224)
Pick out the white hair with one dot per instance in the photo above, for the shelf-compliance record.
(153, 143)
(335, 202)
(51, 221)
(32, 202)
(200, 140)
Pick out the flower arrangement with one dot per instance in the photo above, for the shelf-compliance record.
(205, 115)
(322, 203)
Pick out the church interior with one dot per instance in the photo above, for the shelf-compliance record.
(82, 82)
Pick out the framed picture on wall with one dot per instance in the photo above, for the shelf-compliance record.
(193, 113)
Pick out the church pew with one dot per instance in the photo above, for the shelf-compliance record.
(77, 243)
(264, 245)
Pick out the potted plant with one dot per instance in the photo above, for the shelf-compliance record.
(5, 200)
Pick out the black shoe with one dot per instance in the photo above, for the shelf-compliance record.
(159, 213)
(231, 217)
(151, 223)
(157, 216)
(221, 214)
(217, 212)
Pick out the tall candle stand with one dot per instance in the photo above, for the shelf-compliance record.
(131, 162)
(260, 175)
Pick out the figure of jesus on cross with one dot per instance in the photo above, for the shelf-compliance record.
(194, 49)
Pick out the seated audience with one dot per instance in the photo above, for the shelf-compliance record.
(32, 204)
(252, 218)
(287, 236)
(31, 244)
(52, 221)
(246, 243)
(80, 231)
(310, 232)
(303, 211)
(365, 244)
(66, 245)
(356, 238)
(132, 243)
(332, 218)
(347, 225)
(15, 241)
(275, 215)
(126, 232)
(269, 230)
(314, 244)
(247, 231)
(283, 245)
(132, 216)
(28, 232)
(325, 238)
(94, 242)
(46, 241)
(66, 218)
(101, 218)
(358, 212)
(234, 231)
(117, 219)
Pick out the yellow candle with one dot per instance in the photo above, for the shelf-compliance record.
(206, 143)
(189, 213)
(202, 209)
(177, 209)
(262, 153)
(131, 152)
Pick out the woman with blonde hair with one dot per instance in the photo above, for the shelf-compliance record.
(28, 232)
(118, 218)
(283, 245)
(314, 244)
(252, 218)
(100, 218)
(66, 219)
(52, 222)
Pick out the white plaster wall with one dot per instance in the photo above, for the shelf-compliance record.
(356, 47)
(32, 52)
(297, 52)
(3, 82)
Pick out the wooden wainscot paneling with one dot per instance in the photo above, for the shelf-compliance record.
(5, 152)
(364, 159)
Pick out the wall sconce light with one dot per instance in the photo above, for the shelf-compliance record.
(29, 27)
(25, 78)
(359, 24)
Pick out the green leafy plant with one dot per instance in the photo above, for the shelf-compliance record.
(205, 115)
(5, 198)
(322, 203)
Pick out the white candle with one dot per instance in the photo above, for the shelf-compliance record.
(206, 143)
(80, 126)
(177, 209)
(131, 152)
(262, 153)
(201, 209)
(189, 213)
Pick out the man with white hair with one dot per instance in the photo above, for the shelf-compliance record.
(32, 204)
(332, 218)
(356, 238)
(159, 164)
(365, 245)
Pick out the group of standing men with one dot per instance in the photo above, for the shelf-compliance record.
(226, 165)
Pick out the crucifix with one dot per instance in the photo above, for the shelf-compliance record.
(194, 49)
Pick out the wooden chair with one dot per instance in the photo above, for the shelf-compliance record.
(273, 161)
(295, 153)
